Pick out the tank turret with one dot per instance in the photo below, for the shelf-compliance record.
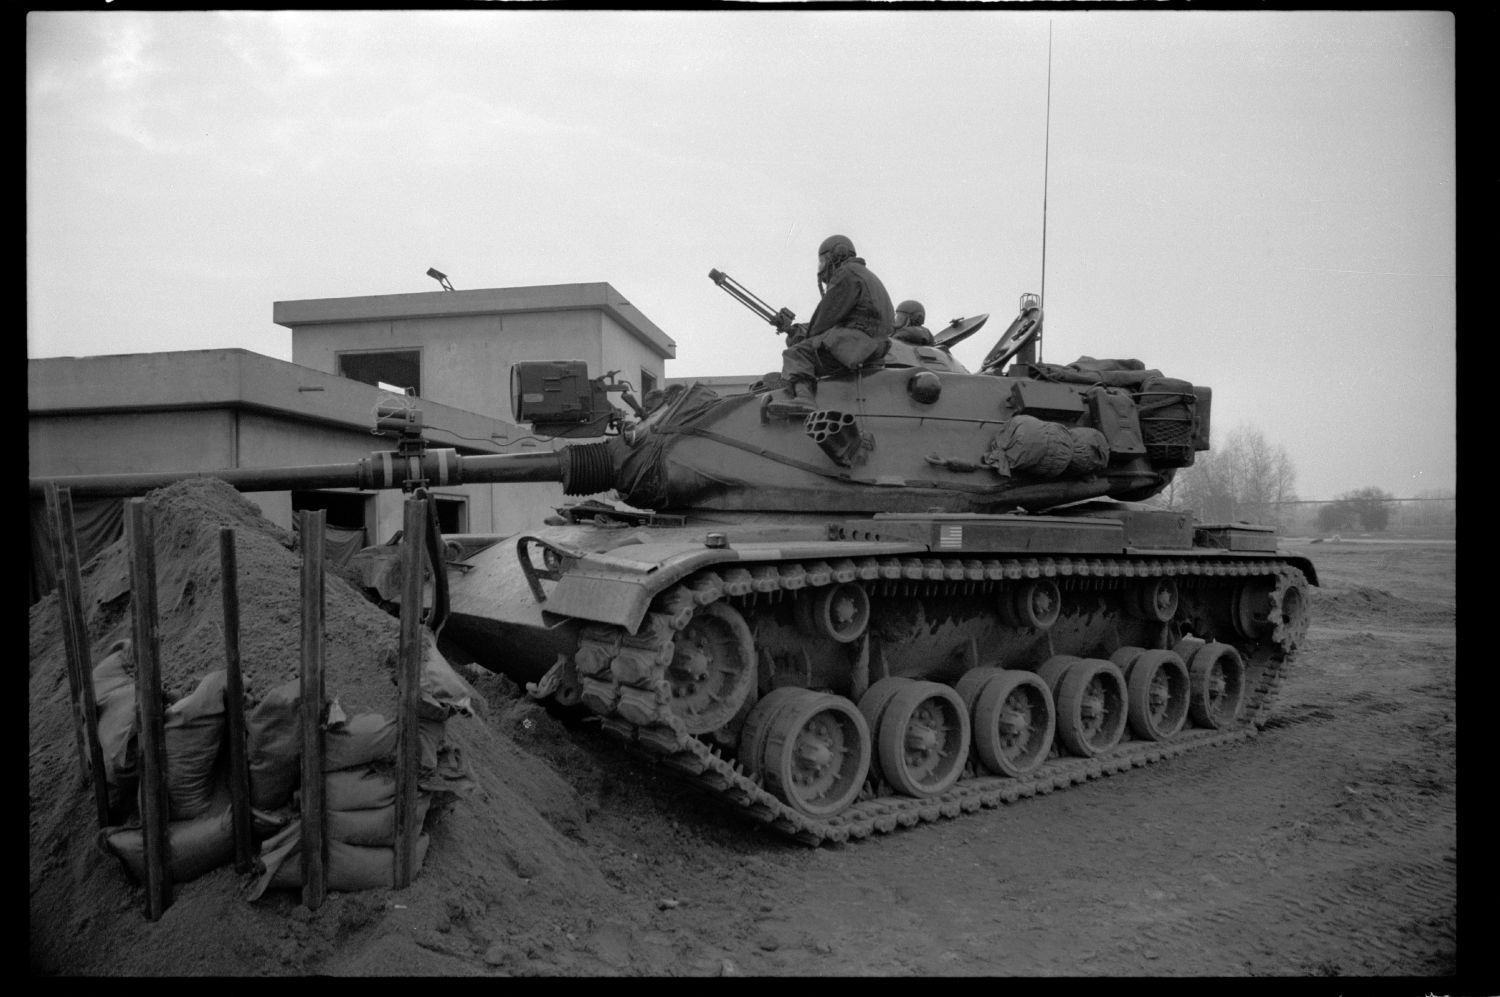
(903, 437)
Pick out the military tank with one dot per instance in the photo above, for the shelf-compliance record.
(924, 592)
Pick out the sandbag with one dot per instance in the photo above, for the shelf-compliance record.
(275, 746)
(371, 828)
(349, 867)
(195, 846)
(115, 721)
(109, 673)
(433, 754)
(359, 740)
(359, 789)
(451, 776)
(116, 727)
(443, 690)
(275, 851)
(430, 734)
(194, 732)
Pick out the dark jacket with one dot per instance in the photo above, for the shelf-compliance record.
(857, 299)
(917, 335)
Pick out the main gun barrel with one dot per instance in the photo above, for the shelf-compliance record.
(583, 469)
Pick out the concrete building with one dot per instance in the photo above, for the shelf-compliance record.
(457, 347)
(205, 410)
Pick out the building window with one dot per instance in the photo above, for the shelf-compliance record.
(648, 382)
(347, 516)
(452, 513)
(399, 368)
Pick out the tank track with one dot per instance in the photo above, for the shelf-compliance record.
(623, 677)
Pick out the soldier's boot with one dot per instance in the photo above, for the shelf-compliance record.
(798, 403)
(803, 387)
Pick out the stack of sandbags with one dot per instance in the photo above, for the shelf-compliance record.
(200, 828)
(359, 789)
(359, 798)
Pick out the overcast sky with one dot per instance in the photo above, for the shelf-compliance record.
(1259, 202)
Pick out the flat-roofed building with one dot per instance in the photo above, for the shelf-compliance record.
(447, 353)
(457, 347)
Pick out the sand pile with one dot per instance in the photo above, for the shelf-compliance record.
(1335, 604)
(506, 878)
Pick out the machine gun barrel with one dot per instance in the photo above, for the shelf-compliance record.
(781, 319)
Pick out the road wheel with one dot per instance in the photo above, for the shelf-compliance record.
(1157, 688)
(969, 684)
(816, 753)
(923, 738)
(1218, 685)
(758, 725)
(1051, 671)
(1013, 723)
(1091, 707)
(872, 704)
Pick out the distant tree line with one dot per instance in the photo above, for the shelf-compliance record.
(1369, 507)
(1243, 479)
(1248, 479)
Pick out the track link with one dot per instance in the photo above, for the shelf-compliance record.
(623, 677)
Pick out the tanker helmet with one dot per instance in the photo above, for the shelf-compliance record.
(910, 312)
(837, 240)
(834, 250)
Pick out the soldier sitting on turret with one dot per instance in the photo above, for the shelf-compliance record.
(909, 329)
(850, 328)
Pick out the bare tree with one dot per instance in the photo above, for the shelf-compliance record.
(1244, 479)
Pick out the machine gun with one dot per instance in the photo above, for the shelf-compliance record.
(782, 319)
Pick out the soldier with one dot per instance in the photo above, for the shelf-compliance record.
(850, 328)
(909, 318)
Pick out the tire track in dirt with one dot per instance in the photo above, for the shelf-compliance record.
(1376, 917)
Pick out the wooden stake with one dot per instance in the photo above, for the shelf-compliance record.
(314, 815)
(234, 703)
(409, 690)
(155, 807)
(80, 662)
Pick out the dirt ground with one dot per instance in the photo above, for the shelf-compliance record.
(1326, 846)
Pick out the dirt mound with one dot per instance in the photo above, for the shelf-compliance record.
(501, 866)
(1335, 605)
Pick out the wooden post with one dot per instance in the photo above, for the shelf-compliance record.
(409, 689)
(234, 703)
(80, 662)
(314, 815)
(155, 807)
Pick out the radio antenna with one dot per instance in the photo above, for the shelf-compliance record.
(1046, 156)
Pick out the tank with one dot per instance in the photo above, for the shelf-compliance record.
(923, 592)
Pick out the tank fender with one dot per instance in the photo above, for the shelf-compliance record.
(1302, 564)
(617, 586)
